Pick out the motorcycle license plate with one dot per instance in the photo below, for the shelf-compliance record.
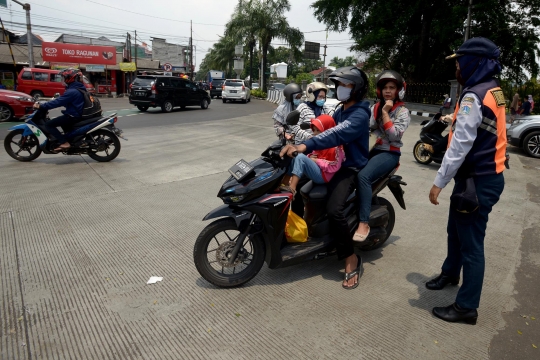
(140, 93)
(241, 170)
(232, 91)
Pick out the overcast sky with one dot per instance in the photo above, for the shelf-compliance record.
(159, 18)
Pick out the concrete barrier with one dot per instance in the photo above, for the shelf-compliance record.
(275, 96)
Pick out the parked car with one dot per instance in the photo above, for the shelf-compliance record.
(255, 86)
(44, 82)
(216, 87)
(525, 133)
(166, 92)
(237, 90)
(14, 104)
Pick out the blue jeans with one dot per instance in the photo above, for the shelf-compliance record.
(466, 233)
(304, 166)
(62, 120)
(380, 164)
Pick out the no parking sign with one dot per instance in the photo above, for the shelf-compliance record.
(167, 67)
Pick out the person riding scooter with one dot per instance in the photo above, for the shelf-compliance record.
(292, 94)
(73, 100)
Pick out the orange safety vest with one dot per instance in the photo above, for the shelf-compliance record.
(488, 153)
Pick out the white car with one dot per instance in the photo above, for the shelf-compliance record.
(524, 133)
(235, 89)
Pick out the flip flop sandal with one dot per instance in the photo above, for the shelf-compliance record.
(358, 271)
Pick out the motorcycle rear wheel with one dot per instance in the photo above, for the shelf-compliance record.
(389, 227)
(104, 140)
(16, 138)
(212, 247)
(421, 155)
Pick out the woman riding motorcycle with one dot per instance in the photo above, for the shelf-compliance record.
(312, 108)
(351, 131)
(293, 95)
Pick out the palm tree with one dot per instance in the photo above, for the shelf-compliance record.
(263, 20)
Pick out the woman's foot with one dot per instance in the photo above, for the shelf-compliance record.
(362, 232)
(63, 147)
(352, 271)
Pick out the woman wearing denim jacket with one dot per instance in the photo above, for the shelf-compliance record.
(389, 120)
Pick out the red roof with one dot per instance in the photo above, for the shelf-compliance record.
(318, 71)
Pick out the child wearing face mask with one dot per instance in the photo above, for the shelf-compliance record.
(313, 107)
(319, 166)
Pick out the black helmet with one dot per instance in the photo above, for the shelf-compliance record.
(351, 75)
(290, 90)
(391, 75)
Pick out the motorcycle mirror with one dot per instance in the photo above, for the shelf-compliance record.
(305, 126)
(293, 117)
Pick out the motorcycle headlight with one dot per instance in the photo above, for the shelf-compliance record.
(232, 199)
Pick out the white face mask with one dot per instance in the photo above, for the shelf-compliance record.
(343, 93)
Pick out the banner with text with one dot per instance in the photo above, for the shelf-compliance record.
(78, 53)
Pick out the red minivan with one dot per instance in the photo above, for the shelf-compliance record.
(44, 82)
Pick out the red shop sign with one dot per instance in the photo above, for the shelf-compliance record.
(77, 53)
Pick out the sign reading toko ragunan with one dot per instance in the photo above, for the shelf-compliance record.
(77, 53)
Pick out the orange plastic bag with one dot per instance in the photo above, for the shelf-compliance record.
(295, 228)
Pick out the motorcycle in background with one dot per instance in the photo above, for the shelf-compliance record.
(97, 137)
(430, 133)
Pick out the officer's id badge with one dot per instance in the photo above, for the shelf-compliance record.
(466, 105)
(499, 97)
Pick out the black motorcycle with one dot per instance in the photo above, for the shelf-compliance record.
(231, 250)
(431, 134)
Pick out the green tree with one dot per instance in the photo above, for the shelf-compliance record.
(413, 37)
(339, 62)
(264, 19)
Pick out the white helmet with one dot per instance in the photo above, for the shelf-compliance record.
(312, 87)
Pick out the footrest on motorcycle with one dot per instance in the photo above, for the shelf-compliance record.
(293, 251)
(379, 216)
(376, 235)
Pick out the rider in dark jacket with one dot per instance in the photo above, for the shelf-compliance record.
(73, 100)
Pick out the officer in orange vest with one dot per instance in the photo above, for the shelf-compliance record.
(475, 158)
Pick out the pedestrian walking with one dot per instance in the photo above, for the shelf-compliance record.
(476, 159)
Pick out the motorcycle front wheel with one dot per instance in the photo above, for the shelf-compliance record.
(212, 251)
(22, 148)
(421, 155)
(104, 145)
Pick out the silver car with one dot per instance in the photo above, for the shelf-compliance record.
(525, 133)
(235, 89)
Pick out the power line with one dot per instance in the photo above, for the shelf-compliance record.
(146, 15)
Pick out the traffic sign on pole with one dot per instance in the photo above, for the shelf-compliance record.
(167, 67)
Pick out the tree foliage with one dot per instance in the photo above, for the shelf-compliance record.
(413, 37)
(341, 62)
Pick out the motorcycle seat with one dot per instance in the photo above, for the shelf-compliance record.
(88, 121)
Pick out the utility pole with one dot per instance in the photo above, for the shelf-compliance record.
(324, 63)
(28, 33)
(191, 51)
(467, 31)
(135, 52)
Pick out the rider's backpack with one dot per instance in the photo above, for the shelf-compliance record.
(92, 107)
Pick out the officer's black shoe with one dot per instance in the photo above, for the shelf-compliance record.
(454, 313)
(441, 281)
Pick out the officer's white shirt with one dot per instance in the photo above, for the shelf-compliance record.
(467, 122)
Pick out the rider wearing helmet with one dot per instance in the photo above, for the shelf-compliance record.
(72, 99)
(351, 131)
(312, 108)
(292, 94)
(389, 120)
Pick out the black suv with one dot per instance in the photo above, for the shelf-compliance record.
(216, 87)
(166, 92)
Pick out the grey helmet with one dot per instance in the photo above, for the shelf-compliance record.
(290, 91)
(351, 75)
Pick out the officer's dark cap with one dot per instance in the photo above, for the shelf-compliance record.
(478, 46)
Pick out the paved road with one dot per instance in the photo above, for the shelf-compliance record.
(79, 240)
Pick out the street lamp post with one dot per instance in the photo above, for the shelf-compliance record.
(28, 33)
